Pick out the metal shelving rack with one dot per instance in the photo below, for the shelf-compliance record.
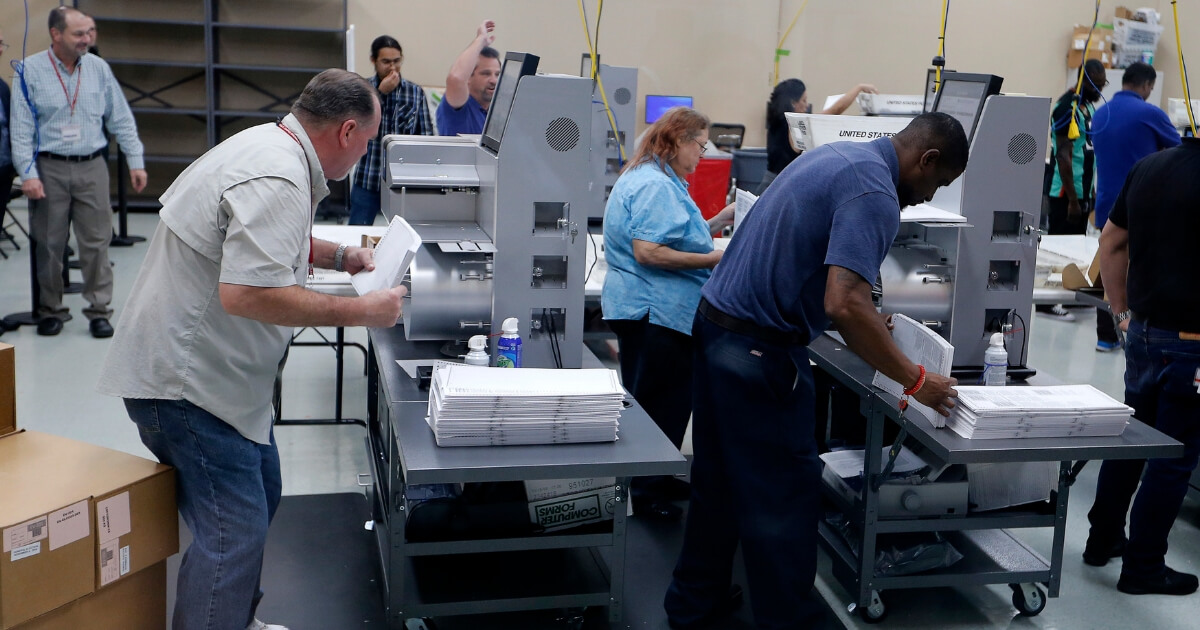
(198, 71)
(991, 553)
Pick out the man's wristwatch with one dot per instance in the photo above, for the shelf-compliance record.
(338, 263)
(1124, 315)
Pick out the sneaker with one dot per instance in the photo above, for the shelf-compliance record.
(1059, 312)
(1169, 582)
(1098, 555)
(1107, 346)
(258, 625)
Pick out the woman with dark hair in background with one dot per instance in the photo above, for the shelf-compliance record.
(791, 95)
(660, 252)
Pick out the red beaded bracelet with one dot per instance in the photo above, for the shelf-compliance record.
(920, 382)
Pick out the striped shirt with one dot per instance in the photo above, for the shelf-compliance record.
(99, 105)
(405, 112)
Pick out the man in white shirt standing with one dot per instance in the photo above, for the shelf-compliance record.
(209, 321)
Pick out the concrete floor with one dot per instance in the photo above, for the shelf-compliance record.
(56, 378)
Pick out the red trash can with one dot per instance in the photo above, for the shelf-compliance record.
(709, 185)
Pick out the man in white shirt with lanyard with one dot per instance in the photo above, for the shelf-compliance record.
(209, 320)
(63, 101)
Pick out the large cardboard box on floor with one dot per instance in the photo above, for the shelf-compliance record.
(75, 518)
(136, 603)
(8, 389)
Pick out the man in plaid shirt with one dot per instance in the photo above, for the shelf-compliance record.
(404, 111)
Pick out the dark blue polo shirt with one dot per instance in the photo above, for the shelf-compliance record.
(836, 205)
(1125, 130)
(466, 119)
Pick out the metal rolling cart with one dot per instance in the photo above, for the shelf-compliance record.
(991, 554)
(460, 577)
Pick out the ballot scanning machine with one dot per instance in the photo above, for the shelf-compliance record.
(610, 149)
(502, 217)
(963, 264)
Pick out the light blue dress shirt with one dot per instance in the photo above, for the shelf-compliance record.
(99, 105)
(651, 203)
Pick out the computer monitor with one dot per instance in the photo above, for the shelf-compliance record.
(962, 96)
(658, 104)
(931, 91)
(516, 65)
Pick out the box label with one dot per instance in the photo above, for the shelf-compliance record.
(25, 534)
(112, 517)
(125, 560)
(19, 553)
(69, 525)
(556, 514)
(110, 568)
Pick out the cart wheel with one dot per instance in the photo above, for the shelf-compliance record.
(1028, 599)
(876, 611)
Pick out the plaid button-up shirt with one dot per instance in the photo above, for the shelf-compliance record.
(404, 111)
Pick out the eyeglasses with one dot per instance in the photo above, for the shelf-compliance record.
(703, 145)
(3, 46)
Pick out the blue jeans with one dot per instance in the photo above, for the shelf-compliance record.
(755, 480)
(1161, 372)
(228, 488)
(364, 205)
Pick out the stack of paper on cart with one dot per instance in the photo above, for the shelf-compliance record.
(480, 406)
(1033, 412)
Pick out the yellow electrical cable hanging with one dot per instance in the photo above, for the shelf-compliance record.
(941, 53)
(1073, 128)
(779, 51)
(1187, 97)
(596, 75)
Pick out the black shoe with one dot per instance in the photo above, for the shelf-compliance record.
(49, 326)
(658, 510)
(723, 609)
(675, 489)
(100, 328)
(1169, 582)
(1098, 555)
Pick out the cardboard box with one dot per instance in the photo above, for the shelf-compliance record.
(1123, 13)
(136, 527)
(538, 489)
(598, 504)
(48, 520)
(1073, 277)
(137, 603)
(995, 486)
(8, 389)
(1102, 38)
(1075, 58)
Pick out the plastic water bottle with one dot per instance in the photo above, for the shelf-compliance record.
(508, 349)
(477, 351)
(995, 362)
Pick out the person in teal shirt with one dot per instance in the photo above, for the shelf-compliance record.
(1072, 161)
(659, 250)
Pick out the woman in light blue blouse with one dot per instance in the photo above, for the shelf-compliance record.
(660, 252)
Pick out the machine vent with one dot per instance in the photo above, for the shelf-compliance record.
(562, 134)
(1022, 148)
(622, 96)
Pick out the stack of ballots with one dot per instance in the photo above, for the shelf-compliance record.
(1033, 412)
(481, 406)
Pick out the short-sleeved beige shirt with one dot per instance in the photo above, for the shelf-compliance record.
(240, 214)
